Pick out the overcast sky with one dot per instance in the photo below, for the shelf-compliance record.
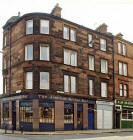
(117, 14)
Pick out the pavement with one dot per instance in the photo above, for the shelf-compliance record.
(74, 132)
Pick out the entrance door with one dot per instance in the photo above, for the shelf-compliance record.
(117, 120)
(14, 115)
(90, 119)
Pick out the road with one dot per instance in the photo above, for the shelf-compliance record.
(105, 136)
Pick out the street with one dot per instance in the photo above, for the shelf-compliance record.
(103, 136)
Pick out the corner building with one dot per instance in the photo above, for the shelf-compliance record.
(57, 75)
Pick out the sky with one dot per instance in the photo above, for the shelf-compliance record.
(117, 14)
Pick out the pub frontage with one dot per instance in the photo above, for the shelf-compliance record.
(47, 113)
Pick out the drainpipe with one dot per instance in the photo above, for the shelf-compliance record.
(113, 55)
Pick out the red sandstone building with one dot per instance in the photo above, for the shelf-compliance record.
(57, 75)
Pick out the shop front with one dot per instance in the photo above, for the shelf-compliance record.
(123, 114)
(104, 114)
(36, 112)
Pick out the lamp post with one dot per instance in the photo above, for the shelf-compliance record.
(132, 119)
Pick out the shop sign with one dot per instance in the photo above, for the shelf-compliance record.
(104, 103)
(124, 103)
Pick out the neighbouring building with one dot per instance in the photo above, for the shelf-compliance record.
(58, 75)
(123, 66)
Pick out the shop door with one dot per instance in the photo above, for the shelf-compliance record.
(90, 119)
(14, 115)
(118, 120)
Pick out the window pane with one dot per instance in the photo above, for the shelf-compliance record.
(44, 26)
(44, 53)
(29, 52)
(5, 82)
(66, 33)
(91, 87)
(5, 40)
(73, 84)
(120, 89)
(103, 44)
(125, 69)
(73, 58)
(91, 62)
(104, 66)
(66, 57)
(124, 49)
(73, 35)
(120, 68)
(44, 80)
(29, 80)
(29, 27)
(104, 89)
(90, 40)
(125, 90)
(66, 83)
(119, 48)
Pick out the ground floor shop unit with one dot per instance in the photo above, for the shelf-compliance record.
(123, 114)
(47, 113)
(104, 114)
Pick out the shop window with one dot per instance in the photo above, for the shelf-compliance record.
(44, 52)
(69, 84)
(91, 62)
(103, 44)
(29, 27)
(127, 113)
(68, 113)
(5, 111)
(104, 66)
(29, 80)
(122, 68)
(44, 26)
(46, 112)
(26, 112)
(70, 57)
(90, 40)
(44, 80)
(79, 114)
(29, 52)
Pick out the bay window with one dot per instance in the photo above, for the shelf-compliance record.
(44, 80)
(44, 26)
(29, 27)
(29, 80)
(44, 52)
(29, 52)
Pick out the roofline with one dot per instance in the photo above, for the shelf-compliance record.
(124, 40)
(55, 17)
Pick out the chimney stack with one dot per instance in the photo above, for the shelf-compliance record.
(56, 10)
(120, 35)
(102, 28)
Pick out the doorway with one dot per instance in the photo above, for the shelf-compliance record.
(118, 120)
(14, 115)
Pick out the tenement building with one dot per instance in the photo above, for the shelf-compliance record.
(58, 75)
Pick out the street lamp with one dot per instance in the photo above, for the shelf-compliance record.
(132, 119)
